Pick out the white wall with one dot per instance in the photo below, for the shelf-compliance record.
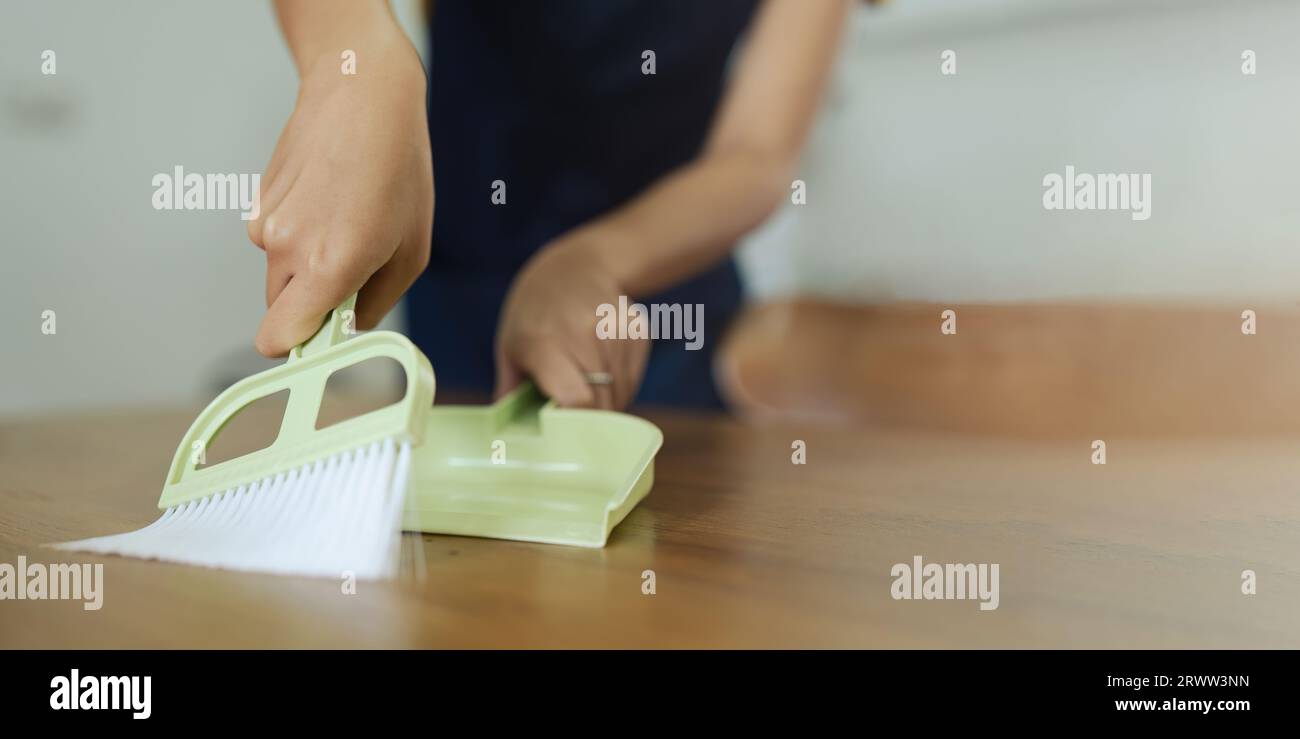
(920, 186)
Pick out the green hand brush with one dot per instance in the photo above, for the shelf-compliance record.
(316, 502)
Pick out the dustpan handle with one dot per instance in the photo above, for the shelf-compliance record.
(524, 404)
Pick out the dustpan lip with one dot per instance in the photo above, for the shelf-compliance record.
(645, 462)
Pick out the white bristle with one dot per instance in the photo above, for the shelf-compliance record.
(333, 516)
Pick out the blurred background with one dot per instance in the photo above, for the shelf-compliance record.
(923, 194)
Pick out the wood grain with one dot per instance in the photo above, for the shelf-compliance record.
(749, 550)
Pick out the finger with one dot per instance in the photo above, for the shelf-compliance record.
(591, 360)
(300, 308)
(279, 156)
(255, 227)
(608, 353)
(557, 373)
(627, 371)
(631, 362)
(283, 258)
(386, 287)
(271, 194)
(279, 271)
(508, 375)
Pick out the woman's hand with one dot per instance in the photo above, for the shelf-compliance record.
(548, 330)
(347, 199)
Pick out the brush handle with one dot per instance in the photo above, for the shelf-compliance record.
(338, 326)
(299, 442)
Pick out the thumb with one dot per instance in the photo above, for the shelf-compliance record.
(555, 372)
(508, 376)
(300, 308)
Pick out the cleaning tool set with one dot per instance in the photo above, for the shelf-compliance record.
(325, 501)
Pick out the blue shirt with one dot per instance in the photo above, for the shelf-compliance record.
(551, 99)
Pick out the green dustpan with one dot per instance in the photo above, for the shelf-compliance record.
(525, 469)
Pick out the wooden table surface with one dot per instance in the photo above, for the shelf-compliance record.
(748, 549)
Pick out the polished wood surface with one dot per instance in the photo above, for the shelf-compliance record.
(748, 549)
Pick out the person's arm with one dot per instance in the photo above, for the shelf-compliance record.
(679, 226)
(347, 198)
(694, 216)
(321, 29)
